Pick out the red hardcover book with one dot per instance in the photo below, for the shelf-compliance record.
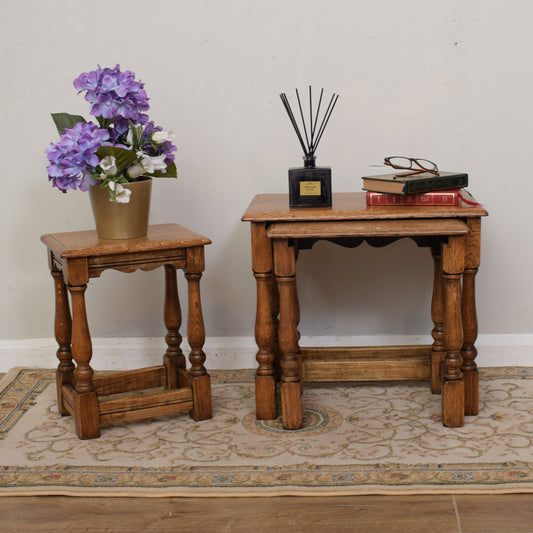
(449, 197)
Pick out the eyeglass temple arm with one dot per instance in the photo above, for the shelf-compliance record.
(414, 172)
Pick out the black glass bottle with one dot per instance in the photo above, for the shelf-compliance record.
(310, 186)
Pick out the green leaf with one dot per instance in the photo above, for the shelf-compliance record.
(170, 172)
(136, 133)
(124, 158)
(65, 121)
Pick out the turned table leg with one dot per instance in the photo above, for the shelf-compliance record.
(174, 358)
(86, 412)
(63, 335)
(296, 311)
(453, 387)
(201, 382)
(291, 387)
(267, 302)
(438, 349)
(468, 351)
(274, 311)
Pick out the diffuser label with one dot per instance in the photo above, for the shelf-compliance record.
(310, 188)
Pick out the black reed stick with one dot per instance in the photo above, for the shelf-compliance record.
(311, 115)
(322, 125)
(303, 120)
(293, 120)
(317, 113)
(325, 120)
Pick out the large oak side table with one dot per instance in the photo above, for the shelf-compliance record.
(279, 232)
(95, 400)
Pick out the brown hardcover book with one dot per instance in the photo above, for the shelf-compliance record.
(419, 183)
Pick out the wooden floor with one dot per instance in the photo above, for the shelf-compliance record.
(368, 514)
(511, 513)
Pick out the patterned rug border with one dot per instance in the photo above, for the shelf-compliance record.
(20, 387)
(233, 481)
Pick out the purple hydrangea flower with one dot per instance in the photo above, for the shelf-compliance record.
(74, 157)
(113, 93)
(119, 128)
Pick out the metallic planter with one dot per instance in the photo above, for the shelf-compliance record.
(122, 221)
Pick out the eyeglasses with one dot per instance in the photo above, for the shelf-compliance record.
(410, 163)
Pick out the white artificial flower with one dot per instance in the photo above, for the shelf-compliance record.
(109, 165)
(159, 137)
(122, 195)
(151, 164)
(135, 171)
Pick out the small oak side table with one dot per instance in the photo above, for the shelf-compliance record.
(94, 400)
(280, 232)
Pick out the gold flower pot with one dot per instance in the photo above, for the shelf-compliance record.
(122, 221)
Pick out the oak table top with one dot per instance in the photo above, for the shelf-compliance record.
(347, 206)
(86, 243)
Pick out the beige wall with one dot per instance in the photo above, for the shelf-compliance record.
(451, 81)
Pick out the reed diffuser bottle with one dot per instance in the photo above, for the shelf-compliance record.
(310, 186)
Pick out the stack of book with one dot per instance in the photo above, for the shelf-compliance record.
(448, 188)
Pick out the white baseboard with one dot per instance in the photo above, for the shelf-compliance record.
(239, 352)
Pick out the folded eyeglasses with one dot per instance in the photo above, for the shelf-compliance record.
(411, 163)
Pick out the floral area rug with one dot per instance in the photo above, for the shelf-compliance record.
(369, 438)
